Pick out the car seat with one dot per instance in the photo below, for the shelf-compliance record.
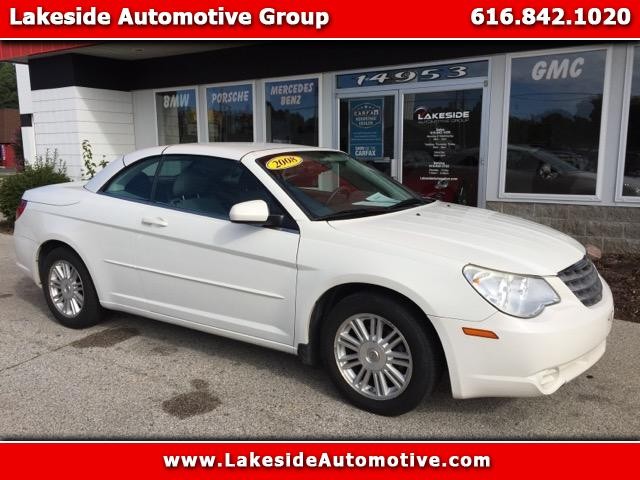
(192, 190)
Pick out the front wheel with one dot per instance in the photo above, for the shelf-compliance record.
(69, 290)
(379, 354)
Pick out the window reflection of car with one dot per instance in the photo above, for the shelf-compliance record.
(459, 186)
(631, 183)
(536, 170)
(632, 164)
(578, 160)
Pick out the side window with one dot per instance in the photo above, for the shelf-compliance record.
(135, 182)
(208, 185)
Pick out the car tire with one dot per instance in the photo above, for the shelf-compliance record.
(69, 290)
(398, 339)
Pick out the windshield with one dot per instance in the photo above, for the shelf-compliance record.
(332, 185)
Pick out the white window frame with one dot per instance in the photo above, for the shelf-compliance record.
(169, 89)
(321, 112)
(559, 198)
(624, 126)
(205, 106)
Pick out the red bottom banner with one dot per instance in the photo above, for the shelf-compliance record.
(371, 460)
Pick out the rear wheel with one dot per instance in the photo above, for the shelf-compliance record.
(379, 354)
(69, 290)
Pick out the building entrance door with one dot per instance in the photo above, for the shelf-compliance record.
(441, 136)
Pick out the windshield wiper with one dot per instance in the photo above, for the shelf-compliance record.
(352, 213)
(357, 212)
(409, 202)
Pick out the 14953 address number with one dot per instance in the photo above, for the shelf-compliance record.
(551, 16)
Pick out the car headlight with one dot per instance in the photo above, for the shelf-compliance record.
(517, 295)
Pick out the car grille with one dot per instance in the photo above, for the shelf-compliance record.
(583, 280)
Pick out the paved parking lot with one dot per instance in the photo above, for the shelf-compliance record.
(135, 378)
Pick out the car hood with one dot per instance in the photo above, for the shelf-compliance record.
(471, 235)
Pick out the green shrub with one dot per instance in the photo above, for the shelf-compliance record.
(44, 171)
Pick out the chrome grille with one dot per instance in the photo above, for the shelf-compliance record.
(583, 280)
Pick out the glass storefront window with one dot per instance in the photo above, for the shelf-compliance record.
(177, 116)
(292, 111)
(555, 110)
(230, 113)
(631, 182)
(441, 144)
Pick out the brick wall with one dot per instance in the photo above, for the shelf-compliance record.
(612, 229)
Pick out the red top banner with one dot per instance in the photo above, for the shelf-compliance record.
(286, 19)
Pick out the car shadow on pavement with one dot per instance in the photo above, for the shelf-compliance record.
(283, 364)
(167, 339)
(28, 291)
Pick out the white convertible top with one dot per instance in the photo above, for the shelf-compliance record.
(228, 150)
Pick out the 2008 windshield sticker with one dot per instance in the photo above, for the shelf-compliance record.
(283, 162)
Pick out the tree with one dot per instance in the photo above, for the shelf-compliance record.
(8, 88)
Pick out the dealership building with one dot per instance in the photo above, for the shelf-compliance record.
(548, 131)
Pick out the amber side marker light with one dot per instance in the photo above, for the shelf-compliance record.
(477, 332)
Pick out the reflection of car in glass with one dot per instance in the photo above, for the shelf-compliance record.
(311, 252)
(536, 170)
(632, 164)
(631, 185)
(581, 162)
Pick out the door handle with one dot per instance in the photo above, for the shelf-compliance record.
(154, 221)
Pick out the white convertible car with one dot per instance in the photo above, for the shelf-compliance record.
(309, 251)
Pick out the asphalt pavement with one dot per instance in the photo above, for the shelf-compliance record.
(132, 377)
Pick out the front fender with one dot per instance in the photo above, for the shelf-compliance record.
(436, 285)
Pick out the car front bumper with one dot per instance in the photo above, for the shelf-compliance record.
(531, 356)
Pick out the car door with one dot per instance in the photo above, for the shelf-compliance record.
(110, 228)
(198, 266)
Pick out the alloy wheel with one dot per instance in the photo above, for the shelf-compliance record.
(65, 288)
(373, 356)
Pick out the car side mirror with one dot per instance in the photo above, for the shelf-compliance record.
(547, 172)
(252, 212)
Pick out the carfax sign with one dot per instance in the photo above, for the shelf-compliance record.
(366, 128)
